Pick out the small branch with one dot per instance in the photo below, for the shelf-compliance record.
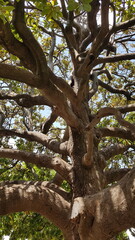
(117, 58)
(40, 160)
(48, 123)
(106, 71)
(115, 90)
(124, 25)
(50, 61)
(68, 40)
(27, 119)
(64, 10)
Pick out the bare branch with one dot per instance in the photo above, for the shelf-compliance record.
(11, 44)
(18, 74)
(115, 90)
(48, 123)
(94, 85)
(64, 87)
(104, 15)
(106, 71)
(50, 61)
(114, 150)
(117, 58)
(40, 160)
(37, 137)
(128, 108)
(30, 41)
(108, 111)
(64, 11)
(124, 25)
(21, 197)
(26, 100)
(27, 119)
(117, 132)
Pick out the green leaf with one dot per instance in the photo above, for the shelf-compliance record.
(2, 17)
(87, 7)
(72, 5)
(86, 1)
(8, 8)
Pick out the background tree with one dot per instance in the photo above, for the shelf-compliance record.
(74, 168)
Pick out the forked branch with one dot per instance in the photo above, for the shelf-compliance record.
(108, 111)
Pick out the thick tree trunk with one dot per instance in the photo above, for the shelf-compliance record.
(87, 180)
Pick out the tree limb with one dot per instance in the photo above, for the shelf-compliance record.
(124, 25)
(26, 100)
(88, 157)
(114, 150)
(116, 58)
(21, 197)
(64, 87)
(112, 207)
(114, 175)
(52, 93)
(108, 111)
(64, 10)
(40, 160)
(17, 48)
(30, 41)
(50, 61)
(116, 132)
(101, 39)
(115, 90)
(48, 123)
(105, 15)
(57, 147)
(128, 108)
(94, 85)
(21, 75)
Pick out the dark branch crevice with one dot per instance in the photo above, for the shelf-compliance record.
(114, 175)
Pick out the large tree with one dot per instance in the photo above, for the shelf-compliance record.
(77, 58)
